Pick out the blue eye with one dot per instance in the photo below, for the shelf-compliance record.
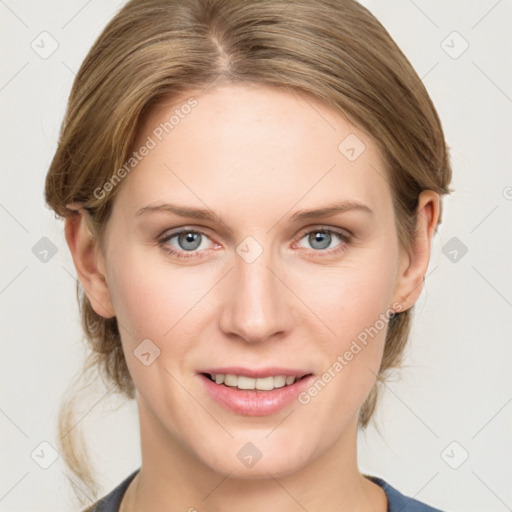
(189, 240)
(321, 239)
(189, 243)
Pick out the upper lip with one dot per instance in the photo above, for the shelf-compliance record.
(256, 373)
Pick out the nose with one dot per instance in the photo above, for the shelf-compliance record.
(257, 304)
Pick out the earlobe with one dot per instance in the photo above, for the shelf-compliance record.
(414, 262)
(89, 263)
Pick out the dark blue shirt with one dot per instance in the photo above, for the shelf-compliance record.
(397, 502)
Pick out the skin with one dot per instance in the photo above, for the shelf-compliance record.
(254, 155)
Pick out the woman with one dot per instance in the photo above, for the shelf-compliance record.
(250, 191)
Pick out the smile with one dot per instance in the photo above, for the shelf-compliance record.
(249, 383)
(254, 392)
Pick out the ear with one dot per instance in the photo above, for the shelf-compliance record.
(414, 262)
(89, 261)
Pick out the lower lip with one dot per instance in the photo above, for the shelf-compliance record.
(255, 402)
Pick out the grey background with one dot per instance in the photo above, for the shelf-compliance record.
(454, 397)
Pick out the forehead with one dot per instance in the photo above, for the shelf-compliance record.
(251, 146)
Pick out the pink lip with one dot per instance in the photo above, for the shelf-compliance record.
(269, 371)
(255, 402)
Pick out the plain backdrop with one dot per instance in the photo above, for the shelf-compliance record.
(445, 419)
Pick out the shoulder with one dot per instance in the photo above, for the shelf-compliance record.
(397, 502)
(112, 501)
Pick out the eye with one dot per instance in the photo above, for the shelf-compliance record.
(322, 240)
(185, 241)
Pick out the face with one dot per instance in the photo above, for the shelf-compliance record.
(263, 288)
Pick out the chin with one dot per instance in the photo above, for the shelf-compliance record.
(261, 459)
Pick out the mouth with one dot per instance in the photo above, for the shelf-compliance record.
(245, 383)
(254, 392)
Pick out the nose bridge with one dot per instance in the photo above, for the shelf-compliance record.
(258, 304)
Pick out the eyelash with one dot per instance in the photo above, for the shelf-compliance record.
(345, 240)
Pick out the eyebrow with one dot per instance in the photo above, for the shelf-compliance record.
(182, 211)
(204, 214)
(327, 211)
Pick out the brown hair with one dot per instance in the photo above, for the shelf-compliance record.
(156, 50)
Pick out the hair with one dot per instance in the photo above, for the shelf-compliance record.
(156, 50)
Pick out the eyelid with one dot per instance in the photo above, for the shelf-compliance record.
(168, 234)
(319, 227)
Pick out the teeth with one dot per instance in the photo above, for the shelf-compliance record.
(262, 384)
(280, 381)
(230, 380)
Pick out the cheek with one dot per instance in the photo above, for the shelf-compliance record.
(353, 302)
(352, 297)
(351, 357)
(161, 304)
(155, 300)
